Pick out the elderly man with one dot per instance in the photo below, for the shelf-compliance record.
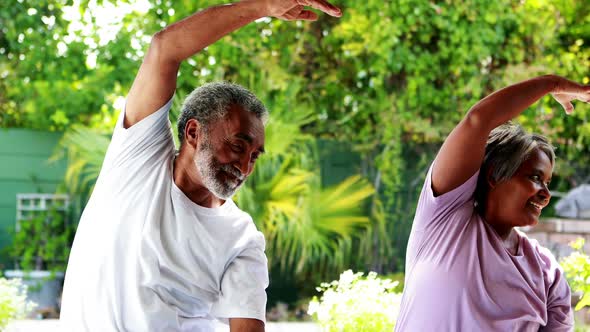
(160, 245)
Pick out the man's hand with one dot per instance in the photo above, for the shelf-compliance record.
(155, 82)
(295, 9)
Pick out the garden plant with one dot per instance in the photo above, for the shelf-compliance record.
(357, 303)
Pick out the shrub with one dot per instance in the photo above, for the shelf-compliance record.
(577, 271)
(357, 303)
(13, 303)
(43, 241)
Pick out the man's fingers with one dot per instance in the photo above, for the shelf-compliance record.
(307, 15)
(293, 13)
(322, 5)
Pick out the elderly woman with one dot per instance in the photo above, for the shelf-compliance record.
(467, 267)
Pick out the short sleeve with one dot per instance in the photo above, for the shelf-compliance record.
(559, 309)
(432, 208)
(147, 139)
(243, 286)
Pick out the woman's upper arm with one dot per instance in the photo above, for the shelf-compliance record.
(461, 154)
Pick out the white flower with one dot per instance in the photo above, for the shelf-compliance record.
(354, 303)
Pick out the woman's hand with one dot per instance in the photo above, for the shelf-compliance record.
(567, 91)
(295, 9)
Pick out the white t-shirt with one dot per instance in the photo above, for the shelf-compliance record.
(146, 258)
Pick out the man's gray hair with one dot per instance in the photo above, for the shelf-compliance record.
(211, 101)
(508, 146)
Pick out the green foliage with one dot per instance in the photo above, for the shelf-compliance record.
(390, 78)
(46, 81)
(357, 303)
(13, 301)
(577, 271)
(306, 226)
(309, 228)
(43, 241)
(84, 149)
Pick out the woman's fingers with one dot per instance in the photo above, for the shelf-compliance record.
(568, 107)
(565, 100)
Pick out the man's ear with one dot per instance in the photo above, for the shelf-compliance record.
(191, 132)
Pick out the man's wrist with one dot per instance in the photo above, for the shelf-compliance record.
(255, 8)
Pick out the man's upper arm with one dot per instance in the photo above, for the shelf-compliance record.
(243, 284)
(245, 325)
(153, 86)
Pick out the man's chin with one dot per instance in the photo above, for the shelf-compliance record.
(225, 194)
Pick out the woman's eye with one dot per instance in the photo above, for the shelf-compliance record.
(536, 178)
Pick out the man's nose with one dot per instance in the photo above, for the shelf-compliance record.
(244, 165)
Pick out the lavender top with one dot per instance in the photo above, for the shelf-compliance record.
(460, 277)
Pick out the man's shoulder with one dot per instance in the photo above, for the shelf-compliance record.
(239, 226)
(239, 215)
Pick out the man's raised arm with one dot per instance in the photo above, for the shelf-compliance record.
(155, 82)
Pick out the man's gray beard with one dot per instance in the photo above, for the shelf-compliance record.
(208, 168)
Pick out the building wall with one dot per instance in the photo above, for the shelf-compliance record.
(556, 234)
(24, 168)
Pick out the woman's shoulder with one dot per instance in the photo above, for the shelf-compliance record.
(545, 257)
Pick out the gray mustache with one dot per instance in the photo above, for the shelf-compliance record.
(233, 171)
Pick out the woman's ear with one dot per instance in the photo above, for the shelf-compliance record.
(491, 182)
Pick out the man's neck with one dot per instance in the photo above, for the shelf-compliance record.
(186, 177)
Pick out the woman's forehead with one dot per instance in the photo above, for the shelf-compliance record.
(538, 161)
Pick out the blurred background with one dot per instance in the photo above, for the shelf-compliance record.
(359, 107)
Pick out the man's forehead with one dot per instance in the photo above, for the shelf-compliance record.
(241, 124)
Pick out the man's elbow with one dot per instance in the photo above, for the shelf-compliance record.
(160, 49)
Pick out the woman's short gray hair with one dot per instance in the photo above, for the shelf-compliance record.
(508, 146)
(211, 101)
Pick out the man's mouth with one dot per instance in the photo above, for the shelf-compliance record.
(232, 177)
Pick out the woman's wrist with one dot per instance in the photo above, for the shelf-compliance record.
(552, 82)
